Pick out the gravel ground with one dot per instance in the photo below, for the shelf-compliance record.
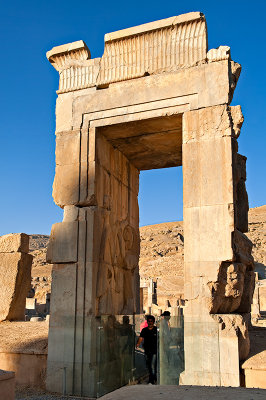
(25, 393)
(150, 392)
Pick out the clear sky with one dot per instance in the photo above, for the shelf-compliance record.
(28, 93)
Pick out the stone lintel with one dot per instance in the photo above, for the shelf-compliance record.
(152, 26)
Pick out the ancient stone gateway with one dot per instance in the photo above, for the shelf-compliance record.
(157, 98)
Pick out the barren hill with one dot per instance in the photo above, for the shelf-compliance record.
(161, 255)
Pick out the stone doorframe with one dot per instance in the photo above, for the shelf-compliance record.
(108, 127)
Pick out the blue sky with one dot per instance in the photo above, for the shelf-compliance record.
(28, 93)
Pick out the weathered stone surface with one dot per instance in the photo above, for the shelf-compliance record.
(62, 56)
(236, 325)
(62, 247)
(237, 118)
(14, 242)
(176, 112)
(15, 281)
(125, 64)
(222, 53)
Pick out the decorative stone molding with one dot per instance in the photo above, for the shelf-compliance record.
(160, 46)
(62, 57)
(79, 77)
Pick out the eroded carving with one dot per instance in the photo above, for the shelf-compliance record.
(119, 252)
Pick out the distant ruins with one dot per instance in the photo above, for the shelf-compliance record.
(157, 98)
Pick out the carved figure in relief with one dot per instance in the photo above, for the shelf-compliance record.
(118, 261)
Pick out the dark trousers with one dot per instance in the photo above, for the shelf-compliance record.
(151, 362)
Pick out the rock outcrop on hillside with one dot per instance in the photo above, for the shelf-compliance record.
(161, 255)
(257, 234)
(41, 270)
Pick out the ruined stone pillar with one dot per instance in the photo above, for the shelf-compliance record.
(15, 276)
(219, 278)
(95, 251)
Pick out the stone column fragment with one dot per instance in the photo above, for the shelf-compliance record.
(15, 280)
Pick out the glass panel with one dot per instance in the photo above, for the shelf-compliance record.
(187, 350)
(202, 352)
(116, 362)
(140, 372)
(170, 349)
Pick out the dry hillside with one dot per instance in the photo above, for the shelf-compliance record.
(161, 255)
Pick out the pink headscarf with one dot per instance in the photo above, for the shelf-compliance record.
(144, 324)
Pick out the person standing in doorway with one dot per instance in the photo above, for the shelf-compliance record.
(148, 335)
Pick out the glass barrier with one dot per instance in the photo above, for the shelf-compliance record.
(116, 347)
(121, 363)
(107, 358)
(170, 349)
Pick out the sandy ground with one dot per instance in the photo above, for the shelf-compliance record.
(26, 337)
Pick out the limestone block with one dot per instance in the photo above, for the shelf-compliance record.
(188, 46)
(208, 231)
(71, 213)
(238, 119)
(233, 286)
(246, 299)
(67, 148)
(66, 182)
(14, 242)
(242, 249)
(234, 73)
(63, 243)
(30, 303)
(221, 53)
(15, 283)
(206, 123)
(36, 319)
(64, 112)
(235, 325)
(79, 75)
(62, 328)
(112, 249)
(209, 361)
(206, 179)
(197, 87)
(59, 56)
(213, 347)
(228, 290)
(66, 185)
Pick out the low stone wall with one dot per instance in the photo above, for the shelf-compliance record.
(7, 385)
(30, 369)
(255, 365)
(255, 378)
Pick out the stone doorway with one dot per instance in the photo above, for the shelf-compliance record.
(157, 98)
